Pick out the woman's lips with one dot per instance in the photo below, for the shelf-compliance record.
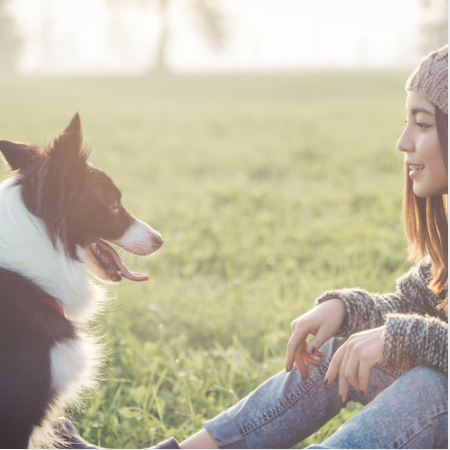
(414, 169)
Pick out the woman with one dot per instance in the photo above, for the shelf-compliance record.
(393, 353)
(388, 352)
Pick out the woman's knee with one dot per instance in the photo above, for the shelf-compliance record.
(432, 383)
(411, 413)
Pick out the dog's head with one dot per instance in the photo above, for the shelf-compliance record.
(79, 205)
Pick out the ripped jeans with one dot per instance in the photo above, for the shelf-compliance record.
(402, 410)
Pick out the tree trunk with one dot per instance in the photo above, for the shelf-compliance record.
(160, 64)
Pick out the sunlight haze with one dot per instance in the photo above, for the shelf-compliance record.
(94, 37)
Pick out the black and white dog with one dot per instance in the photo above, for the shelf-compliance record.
(56, 211)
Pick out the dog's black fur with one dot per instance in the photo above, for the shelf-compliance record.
(28, 329)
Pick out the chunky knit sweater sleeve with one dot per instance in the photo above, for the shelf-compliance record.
(416, 332)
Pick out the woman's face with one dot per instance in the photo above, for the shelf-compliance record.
(420, 143)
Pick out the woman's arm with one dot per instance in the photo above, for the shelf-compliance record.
(415, 332)
(370, 310)
(412, 340)
(404, 342)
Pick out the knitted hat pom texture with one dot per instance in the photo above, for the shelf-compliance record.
(430, 78)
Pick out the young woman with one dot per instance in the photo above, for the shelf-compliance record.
(388, 352)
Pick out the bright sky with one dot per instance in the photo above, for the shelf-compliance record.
(66, 36)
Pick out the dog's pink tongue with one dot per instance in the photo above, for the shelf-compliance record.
(133, 276)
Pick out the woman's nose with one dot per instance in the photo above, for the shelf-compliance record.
(405, 142)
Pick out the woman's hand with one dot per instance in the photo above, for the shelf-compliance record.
(323, 321)
(355, 359)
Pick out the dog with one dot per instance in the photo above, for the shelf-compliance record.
(56, 213)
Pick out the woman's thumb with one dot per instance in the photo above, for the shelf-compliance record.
(316, 342)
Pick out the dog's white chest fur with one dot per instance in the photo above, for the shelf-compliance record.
(71, 365)
(68, 362)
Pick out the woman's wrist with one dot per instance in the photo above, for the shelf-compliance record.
(337, 304)
(336, 308)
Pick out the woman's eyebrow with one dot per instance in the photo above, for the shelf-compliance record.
(416, 111)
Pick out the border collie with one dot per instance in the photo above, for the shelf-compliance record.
(56, 211)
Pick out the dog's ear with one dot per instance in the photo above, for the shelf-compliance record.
(69, 142)
(19, 155)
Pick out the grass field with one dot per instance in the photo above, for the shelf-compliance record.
(267, 189)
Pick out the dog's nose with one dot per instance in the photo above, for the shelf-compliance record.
(159, 240)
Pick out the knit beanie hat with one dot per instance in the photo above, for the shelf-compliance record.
(430, 78)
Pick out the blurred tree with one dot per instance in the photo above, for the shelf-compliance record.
(209, 19)
(10, 40)
(434, 24)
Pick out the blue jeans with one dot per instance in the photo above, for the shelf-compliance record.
(402, 410)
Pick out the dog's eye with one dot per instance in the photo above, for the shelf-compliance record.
(116, 206)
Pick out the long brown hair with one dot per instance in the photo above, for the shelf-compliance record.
(426, 221)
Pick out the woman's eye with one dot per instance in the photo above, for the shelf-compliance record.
(422, 126)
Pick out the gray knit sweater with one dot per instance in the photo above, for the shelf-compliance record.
(416, 332)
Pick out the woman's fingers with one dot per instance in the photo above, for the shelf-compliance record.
(348, 373)
(335, 365)
(300, 365)
(322, 322)
(292, 349)
(342, 364)
(364, 374)
(297, 353)
(355, 359)
(310, 360)
(295, 344)
(318, 340)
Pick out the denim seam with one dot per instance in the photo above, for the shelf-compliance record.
(395, 373)
(229, 442)
(283, 406)
(424, 428)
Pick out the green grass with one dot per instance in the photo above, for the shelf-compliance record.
(268, 190)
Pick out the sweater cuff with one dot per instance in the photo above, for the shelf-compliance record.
(401, 331)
